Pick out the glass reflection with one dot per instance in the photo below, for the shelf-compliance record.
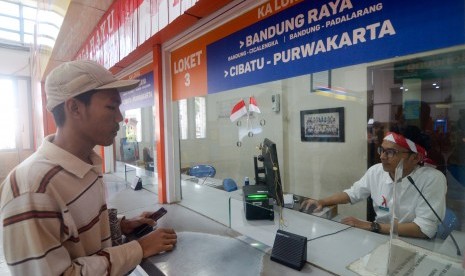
(424, 92)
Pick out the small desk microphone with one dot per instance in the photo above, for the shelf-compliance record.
(436, 214)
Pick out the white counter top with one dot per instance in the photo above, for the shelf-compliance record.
(333, 252)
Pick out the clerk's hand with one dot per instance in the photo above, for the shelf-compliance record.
(306, 204)
(355, 222)
(129, 225)
(160, 240)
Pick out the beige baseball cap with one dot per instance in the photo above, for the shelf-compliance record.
(76, 77)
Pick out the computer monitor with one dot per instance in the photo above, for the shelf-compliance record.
(269, 174)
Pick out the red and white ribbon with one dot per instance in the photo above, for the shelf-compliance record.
(405, 143)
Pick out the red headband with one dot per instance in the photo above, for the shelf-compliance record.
(405, 143)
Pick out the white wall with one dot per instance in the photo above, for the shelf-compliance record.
(15, 64)
(314, 169)
(319, 169)
(220, 147)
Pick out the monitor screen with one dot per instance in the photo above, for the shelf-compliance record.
(270, 169)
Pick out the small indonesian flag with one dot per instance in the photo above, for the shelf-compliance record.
(253, 107)
(238, 111)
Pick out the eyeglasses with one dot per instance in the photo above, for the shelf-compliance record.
(390, 152)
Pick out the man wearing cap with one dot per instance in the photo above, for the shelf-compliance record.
(54, 214)
(415, 217)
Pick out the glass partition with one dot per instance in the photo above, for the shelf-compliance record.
(135, 150)
(327, 128)
(426, 92)
(135, 140)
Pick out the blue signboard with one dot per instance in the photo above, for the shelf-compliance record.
(140, 96)
(313, 36)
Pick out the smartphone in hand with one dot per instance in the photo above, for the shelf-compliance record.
(144, 229)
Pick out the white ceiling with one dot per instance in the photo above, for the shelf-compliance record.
(80, 19)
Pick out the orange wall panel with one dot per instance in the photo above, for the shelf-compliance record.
(159, 123)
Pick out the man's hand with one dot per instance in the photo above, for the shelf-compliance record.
(158, 241)
(306, 204)
(354, 222)
(128, 225)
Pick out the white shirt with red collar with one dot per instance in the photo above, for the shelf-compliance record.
(411, 207)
